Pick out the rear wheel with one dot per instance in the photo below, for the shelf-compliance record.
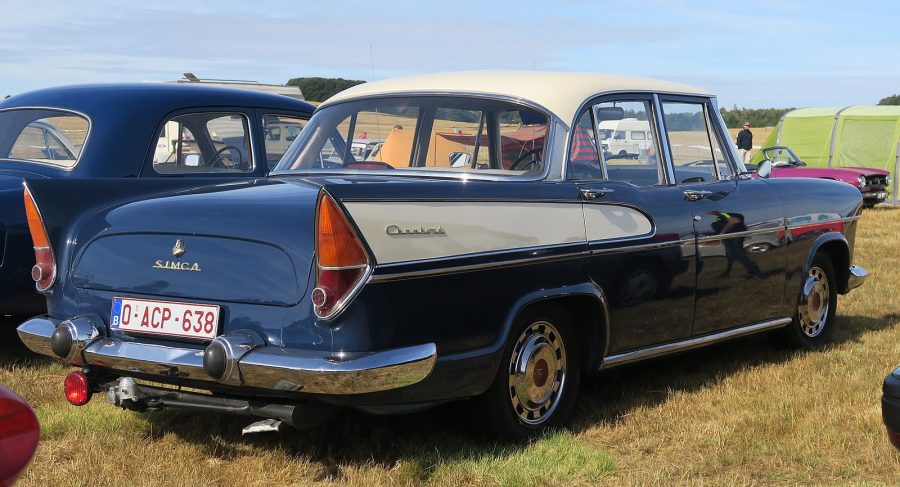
(814, 320)
(537, 382)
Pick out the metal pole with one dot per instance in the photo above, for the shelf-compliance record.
(834, 126)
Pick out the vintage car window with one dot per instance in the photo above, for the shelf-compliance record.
(204, 143)
(627, 158)
(424, 134)
(281, 131)
(690, 142)
(43, 136)
(584, 159)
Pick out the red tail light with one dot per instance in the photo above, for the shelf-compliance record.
(341, 260)
(19, 432)
(44, 270)
(77, 389)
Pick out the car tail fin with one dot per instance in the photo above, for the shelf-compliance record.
(44, 270)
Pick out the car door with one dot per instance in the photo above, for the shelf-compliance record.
(639, 229)
(738, 222)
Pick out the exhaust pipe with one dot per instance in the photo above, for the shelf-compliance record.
(128, 394)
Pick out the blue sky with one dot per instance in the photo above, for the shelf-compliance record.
(754, 54)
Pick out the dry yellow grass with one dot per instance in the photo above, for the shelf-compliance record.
(737, 414)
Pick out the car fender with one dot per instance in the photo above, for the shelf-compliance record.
(841, 265)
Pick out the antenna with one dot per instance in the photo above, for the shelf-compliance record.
(372, 55)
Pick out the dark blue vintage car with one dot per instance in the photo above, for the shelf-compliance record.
(487, 249)
(149, 131)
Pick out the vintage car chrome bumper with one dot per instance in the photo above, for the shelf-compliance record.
(856, 277)
(248, 363)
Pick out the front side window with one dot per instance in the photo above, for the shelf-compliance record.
(43, 136)
(204, 143)
(425, 134)
(696, 152)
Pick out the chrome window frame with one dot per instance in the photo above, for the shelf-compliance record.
(251, 133)
(84, 145)
(554, 124)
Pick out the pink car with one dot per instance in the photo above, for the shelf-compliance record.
(871, 182)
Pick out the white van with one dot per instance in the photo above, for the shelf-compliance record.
(626, 137)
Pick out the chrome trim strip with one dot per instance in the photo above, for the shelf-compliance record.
(746, 233)
(691, 343)
(378, 278)
(84, 144)
(337, 373)
(639, 248)
(856, 277)
(663, 135)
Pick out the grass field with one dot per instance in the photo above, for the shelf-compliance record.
(741, 413)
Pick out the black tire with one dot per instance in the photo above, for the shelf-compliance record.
(806, 333)
(502, 406)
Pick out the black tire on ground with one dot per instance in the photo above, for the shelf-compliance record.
(804, 333)
(553, 372)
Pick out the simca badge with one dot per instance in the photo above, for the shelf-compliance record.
(178, 249)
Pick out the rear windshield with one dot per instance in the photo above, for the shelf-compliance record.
(426, 134)
(43, 136)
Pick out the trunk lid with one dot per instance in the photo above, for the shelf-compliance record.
(249, 242)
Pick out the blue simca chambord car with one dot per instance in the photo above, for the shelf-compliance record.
(167, 135)
(487, 250)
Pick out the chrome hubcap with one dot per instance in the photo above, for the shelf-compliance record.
(537, 373)
(814, 303)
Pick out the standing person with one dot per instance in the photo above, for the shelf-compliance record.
(745, 142)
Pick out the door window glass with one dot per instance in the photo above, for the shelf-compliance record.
(690, 142)
(623, 134)
(204, 143)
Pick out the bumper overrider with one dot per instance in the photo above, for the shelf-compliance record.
(856, 277)
(240, 358)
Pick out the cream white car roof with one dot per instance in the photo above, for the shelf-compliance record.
(560, 92)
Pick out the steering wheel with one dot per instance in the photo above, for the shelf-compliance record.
(219, 157)
(537, 160)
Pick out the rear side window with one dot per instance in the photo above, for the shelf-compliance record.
(204, 143)
(42, 136)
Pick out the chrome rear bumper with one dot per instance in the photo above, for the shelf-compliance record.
(264, 367)
(856, 277)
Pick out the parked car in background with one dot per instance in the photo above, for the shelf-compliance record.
(871, 182)
(492, 253)
(19, 434)
(167, 136)
(890, 406)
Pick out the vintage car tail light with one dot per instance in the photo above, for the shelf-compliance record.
(19, 432)
(44, 270)
(77, 389)
(341, 260)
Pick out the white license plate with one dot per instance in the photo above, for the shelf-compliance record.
(165, 318)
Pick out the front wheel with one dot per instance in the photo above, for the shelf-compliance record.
(537, 382)
(814, 320)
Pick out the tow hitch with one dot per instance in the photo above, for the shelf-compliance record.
(126, 393)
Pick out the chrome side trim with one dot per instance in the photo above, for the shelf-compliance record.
(639, 248)
(376, 278)
(856, 277)
(691, 343)
(337, 373)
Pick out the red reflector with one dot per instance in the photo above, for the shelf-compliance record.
(19, 432)
(77, 389)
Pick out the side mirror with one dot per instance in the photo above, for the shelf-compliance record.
(765, 169)
(460, 159)
(192, 160)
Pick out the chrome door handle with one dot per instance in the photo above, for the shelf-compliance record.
(696, 194)
(592, 194)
